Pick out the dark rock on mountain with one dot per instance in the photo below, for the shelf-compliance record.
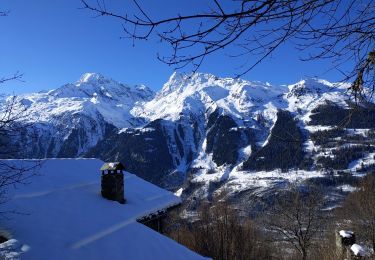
(144, 151)
(284, 147)
(356, 116)
(223, 139)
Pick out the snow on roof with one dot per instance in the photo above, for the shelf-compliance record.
(358, 250)
(346, 233)
(63, 216)
(112, 166)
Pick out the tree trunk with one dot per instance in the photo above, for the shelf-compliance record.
(304, 254)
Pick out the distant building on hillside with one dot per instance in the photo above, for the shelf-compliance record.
(347, 247)
(113, 181)
(344, 240)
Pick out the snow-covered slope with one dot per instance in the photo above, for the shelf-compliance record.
(61, 215)
(199, 93)
(71, 119)
(92, 95)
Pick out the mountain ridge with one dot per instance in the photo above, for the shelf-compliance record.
(204, 130)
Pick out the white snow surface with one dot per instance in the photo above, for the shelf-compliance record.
(346, 188)
(369, 159)
(346, 233)
(63, 216)
(12, 249)
(358, 250)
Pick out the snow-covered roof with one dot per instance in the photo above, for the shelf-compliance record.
(358, 250)
(63, 216)
(346, 233)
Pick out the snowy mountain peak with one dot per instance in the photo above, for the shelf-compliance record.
(314, 86)
(92, 96)
(319, 84)
(175, 81)
(187, 82)
(90, 78)
(96, 85)
(200, 94)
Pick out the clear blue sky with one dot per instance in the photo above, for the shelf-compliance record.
(53, 42)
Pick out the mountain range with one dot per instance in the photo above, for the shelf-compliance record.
(201, 133)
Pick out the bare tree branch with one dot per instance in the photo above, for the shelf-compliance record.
(342, 31)
(296, 219)
(16, 76)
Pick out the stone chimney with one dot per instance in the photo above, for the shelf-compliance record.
(113, 181)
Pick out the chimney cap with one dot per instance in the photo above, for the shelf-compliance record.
(112, 166)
